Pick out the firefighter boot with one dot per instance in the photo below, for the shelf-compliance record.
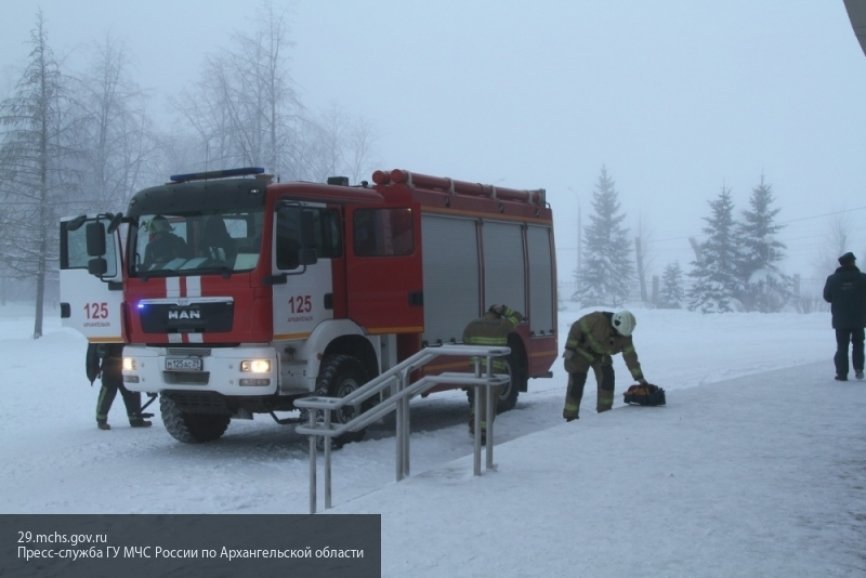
(102, 424)
(573, 394)
(137, 421)
(605, 401)
(472, 429)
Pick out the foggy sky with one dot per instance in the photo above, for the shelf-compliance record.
(677, 98)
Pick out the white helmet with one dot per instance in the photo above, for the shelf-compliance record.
(624, 322)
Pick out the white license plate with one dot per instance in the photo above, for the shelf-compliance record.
(183, 364)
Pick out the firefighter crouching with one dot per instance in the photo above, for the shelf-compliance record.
(490, 330)
(592, 340)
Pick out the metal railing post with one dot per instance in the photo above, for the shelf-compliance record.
(489, 415)
(401, 392)
(398, 424)
(312, 423)
(407, 423)
(327, 442)
(476, 421)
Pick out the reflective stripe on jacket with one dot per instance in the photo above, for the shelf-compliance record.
(491, 331)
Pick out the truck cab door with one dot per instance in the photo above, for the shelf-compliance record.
(384, 274)
(306, 239)
(91, 303)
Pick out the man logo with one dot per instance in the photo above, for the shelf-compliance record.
(183, 314)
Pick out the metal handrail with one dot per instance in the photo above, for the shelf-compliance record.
(396, 382)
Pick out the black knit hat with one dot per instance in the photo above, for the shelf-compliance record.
(847, 259)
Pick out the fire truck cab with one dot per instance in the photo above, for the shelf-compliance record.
(236, 295)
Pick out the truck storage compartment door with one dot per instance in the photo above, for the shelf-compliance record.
(384, 281)
(89, 303)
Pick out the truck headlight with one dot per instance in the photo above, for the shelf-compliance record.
(256, 366)
(129, 366)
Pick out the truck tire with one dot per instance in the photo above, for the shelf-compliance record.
(508, 393)
(340, 375)
(189, 427)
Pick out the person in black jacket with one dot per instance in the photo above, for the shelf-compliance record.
(163, 245)
(105, 360)
(845, 290)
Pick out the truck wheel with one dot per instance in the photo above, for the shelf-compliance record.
(509, 392)
(340, 375)
(188, 427)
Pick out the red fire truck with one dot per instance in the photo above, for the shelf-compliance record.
(235, 295)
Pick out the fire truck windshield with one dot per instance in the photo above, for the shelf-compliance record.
(169, 244)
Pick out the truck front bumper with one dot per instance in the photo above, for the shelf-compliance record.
(231, 371)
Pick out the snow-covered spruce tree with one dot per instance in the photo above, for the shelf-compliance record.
(672, 294)
(716, 285)
(764, 287)
(34, 158)
(606, 267)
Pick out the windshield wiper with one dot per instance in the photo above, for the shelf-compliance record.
(224, 270)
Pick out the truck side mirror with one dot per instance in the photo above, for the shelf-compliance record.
(95, 240)
(307, 256)
(97, 267)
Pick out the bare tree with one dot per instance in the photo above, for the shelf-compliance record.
(114, 132)
(34, 151)
(836, 242)
(359, 149)
(245, 110)
(337, 144)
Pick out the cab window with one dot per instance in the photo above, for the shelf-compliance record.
(324, 238)
(73, 249)
(383, 232)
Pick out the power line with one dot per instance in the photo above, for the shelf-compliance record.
(822, 215)
(781, 224)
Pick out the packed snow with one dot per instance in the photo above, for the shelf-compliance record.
(755, 467)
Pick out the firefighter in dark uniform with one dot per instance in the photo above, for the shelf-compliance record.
(491, 330)
(105, 360)
(845, 290)
(592, 340)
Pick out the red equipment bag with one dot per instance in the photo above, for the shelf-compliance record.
(644, 394)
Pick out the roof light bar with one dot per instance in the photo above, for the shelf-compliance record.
(241, 172)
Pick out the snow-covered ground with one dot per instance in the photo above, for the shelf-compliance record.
(755, 467)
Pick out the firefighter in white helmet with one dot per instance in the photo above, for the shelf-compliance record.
(591, 342)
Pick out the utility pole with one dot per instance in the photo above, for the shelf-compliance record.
(579, 237)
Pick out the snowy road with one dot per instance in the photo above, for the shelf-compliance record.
(756, 463)
(60, 463)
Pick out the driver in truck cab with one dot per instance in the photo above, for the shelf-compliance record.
(163, 245)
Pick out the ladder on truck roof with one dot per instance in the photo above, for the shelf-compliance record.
(534, 197)
(220, 174)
